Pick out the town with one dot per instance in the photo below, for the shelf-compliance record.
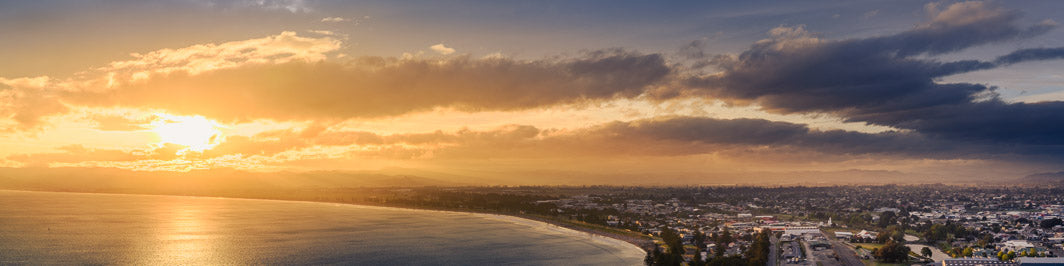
(837, 225)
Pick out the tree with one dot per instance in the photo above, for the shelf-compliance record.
(722, 242)
(758, 253)
(936, 233)
(955, 252)
(926, 251)
(967, 252)
(697, 260)
(652, 256)
(985, 241)
(887, 218)
(892, 252)
(1050, 223)
(700, 244)
(700, 240)
(675, 251)
(1023, 221)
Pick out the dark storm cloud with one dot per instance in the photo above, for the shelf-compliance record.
(650, 137)
(780, 135)
(959, 26)
(1032, 54)
(883, 81)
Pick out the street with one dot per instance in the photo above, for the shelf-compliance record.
(773, 255)
(847, 256)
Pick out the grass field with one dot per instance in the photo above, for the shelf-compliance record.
(876, 263)
(868, 246)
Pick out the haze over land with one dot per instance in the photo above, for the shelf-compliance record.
(250, 94)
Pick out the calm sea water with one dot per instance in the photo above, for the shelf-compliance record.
(75, 228)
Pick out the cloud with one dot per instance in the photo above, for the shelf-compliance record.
(670, 136)
(1031, 54)
(884, 81)
(356, 21)
(891, 81)
(26, 100)
(378, 86)
(294, 6)
(444, 50)
(79, 153)
(335, 19)
(746, 141)
(284, 47)
(872, 13)
(108, 122)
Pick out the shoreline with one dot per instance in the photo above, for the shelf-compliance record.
(598, 236)
(642, 244)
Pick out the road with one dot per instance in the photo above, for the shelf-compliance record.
(936, 254)
(847, 256)
(773, 256)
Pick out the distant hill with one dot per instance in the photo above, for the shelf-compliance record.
(1052, 178)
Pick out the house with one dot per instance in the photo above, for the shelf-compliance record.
(865, 234)
(1015, 245)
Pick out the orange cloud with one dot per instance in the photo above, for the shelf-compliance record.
(375, 86)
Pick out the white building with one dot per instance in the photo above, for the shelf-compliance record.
(1016, 245)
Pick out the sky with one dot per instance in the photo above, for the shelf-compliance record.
(537, 92)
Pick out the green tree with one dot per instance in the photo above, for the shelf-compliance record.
(886, 218)
(758, 253)
(674, 256)
(937, 232)
(892, 252)
(700, 244)
(722, 242)
(1050, 223)
(700, 239)
(967, 252)
(926, 251)
(697, 260)
(652, 256)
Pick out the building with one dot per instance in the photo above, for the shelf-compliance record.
(1032, 261)
(1017, 245)
(976, 262)
(865, 234)
(844, 235)
(799, 230)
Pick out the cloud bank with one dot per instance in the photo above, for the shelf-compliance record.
(893, 80)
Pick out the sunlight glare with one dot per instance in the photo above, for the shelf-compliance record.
(195, 132)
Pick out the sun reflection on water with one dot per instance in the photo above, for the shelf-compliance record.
(184, 238)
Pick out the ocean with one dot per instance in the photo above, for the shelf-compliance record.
(81, 228)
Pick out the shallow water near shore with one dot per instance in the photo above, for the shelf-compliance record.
(78, 228)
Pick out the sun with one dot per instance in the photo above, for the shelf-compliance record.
(195, 132)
